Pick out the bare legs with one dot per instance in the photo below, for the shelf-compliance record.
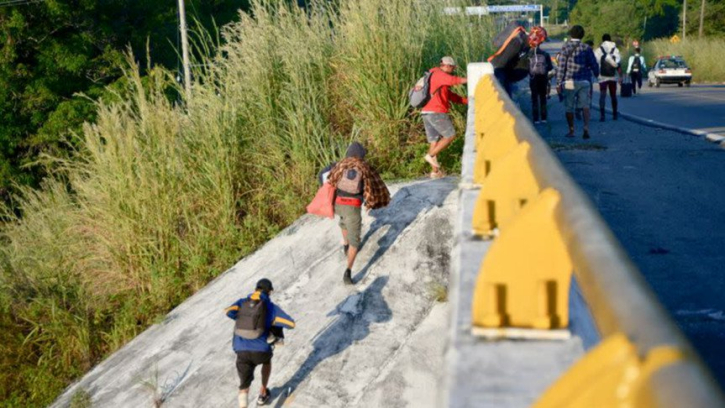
(351, 250)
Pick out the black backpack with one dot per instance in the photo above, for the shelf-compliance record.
(606, 69)
(251, 319)
(636, 64)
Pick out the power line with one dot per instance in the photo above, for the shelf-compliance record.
(18, 2)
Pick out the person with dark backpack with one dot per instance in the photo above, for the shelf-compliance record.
(257, 329)
(610, 72)
(636, 69)
(539, 67)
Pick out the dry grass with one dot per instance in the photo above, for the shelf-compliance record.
(164, 194)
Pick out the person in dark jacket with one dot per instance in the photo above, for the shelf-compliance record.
(355, 182)
(257, 351)
(539, 74)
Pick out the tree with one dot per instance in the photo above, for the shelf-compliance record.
(52, 50)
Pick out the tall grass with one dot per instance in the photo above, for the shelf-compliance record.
(162, 196)
(702, 55)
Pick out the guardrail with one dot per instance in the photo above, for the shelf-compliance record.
(545, 232)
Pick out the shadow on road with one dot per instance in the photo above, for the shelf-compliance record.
(355, 314)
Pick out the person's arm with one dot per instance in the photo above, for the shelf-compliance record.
(232, 310)
(455, 98)
(593, 64)
(445, 79)
(629, 64)
(561, 61)
(549, 64)
(282, 319)
(644, 66)
(325, 173)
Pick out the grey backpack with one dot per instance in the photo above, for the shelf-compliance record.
(420, 95)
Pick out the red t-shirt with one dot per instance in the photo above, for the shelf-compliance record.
(440, 102)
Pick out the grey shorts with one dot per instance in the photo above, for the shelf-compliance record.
(438, 125)
(350, 221)
(577, 98)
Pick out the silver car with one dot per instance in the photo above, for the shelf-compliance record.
(669, 70)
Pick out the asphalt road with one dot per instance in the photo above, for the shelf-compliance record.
(700, 107)
(662, 194)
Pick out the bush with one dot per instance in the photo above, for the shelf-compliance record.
(164, 194)
(702, 55)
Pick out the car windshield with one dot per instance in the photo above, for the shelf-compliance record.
(672, 63)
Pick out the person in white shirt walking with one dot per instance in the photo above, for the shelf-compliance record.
(635, 70)
(610, 71)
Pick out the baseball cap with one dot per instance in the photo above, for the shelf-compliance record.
(447, 60)
(265, 284)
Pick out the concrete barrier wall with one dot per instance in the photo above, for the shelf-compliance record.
(534, 260)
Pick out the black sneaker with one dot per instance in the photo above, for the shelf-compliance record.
(347, 277)
(263, 399)
(586, 134)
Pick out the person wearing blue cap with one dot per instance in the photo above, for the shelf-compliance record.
(258, 325)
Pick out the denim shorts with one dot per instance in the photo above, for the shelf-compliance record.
(438, 125)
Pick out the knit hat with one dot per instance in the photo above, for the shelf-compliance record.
(265, 285)
(356, 150)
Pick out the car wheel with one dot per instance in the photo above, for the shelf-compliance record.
(649, 83)
(679, 84)
(657, 82)
(687, 84)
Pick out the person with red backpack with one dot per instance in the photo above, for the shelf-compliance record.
(355, 182)
(438, 126)
(539, 67)
(258, 325)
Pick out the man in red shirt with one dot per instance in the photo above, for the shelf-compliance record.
(438, 126)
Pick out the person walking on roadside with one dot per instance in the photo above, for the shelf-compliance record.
(539, 67)
(635, 70)
(610, 71)
(355, 182)
(439, 129)
(577, 65)
(256, 318)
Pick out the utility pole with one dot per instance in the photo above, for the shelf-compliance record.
(702, 18)
(184, 48)
(684, 20)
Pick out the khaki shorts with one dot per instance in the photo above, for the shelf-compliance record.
(438, 125)
(577, 98)
(350, 221)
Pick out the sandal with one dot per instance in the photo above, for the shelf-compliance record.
(263, 399)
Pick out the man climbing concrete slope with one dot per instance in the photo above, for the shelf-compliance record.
(438, 126)
(355, 182)
(255, 318)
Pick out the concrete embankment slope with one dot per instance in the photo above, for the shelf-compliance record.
(377, 343)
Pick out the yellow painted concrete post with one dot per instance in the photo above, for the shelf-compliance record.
(524, 279)
(509, 186)
(494, 146)
(610, 375)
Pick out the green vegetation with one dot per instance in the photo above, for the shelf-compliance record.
(626, 20)
(54, 49)
(703, 56)
(160, 196)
